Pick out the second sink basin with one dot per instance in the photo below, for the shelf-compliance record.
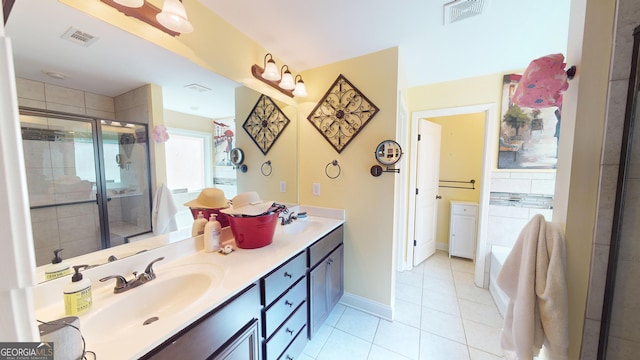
(165, 298)
(297, 227)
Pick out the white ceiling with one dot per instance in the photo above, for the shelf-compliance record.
(305, 34)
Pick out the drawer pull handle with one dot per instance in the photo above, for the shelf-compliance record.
(288, 303)
(286, 274)
(289, 331)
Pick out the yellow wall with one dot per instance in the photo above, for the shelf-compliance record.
(368, 200)
(461, 150)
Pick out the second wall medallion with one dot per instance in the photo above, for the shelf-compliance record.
(342, 113)
(265, 123)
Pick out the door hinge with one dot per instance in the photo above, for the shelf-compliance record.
(415, 243)
(419, 137)
(417, 191)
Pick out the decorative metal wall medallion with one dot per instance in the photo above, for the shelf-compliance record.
(342, 113)
(265, 123)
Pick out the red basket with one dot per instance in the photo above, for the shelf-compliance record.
(255, 231)
(222, 218)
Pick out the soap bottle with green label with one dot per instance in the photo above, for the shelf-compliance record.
(57, 268)
(77, 294)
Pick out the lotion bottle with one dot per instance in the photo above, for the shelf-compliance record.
(57, 268)
(77, 293)
(198, 225)
(212, 231)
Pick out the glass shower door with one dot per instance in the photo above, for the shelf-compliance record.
(61, 178)
(126, 173)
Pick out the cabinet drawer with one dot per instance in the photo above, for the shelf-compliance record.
(281, 309)
(461, 209)
(282, 278)
(285, 335)
(324, 246)
(297, 346)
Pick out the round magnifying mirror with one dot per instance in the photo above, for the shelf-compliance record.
(237, 156)
(388, 152)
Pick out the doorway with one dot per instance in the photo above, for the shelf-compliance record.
(482, 254)
(88, 181)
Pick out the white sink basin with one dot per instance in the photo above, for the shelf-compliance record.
(149, 305)
(298, 227)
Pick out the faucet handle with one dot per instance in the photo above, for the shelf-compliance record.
(121, 282)
(149, 269)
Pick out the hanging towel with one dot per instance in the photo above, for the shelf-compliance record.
(163, 217)
(533, 277)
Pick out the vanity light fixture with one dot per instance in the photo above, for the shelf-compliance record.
(281, 80)
(172, 19)
(301, 89)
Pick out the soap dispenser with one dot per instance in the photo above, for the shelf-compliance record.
(57, 268)
(77, 294)
(212, 231)
(198, 225)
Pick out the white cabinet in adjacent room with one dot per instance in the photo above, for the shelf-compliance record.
(463, 229)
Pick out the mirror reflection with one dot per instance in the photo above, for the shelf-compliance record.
(93, 175)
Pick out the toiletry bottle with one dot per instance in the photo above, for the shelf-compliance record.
(77, 294)
(212, 231)
(57, 268)
(198, 225)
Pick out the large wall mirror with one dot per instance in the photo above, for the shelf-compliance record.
(100, 72)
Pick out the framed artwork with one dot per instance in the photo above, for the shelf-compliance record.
(528, 137)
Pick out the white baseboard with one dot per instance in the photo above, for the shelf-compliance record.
(368, 306)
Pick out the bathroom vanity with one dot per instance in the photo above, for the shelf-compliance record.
(252, 304)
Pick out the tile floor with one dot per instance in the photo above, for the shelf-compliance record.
(440, 315)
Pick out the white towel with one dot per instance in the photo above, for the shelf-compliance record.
(163, 217)
(533, 277)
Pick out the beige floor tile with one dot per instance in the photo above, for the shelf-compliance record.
(341, 345)
(483, 337)
(358, 323)
(443, 324)
(482, 313)
(399, 338)
(434, 347)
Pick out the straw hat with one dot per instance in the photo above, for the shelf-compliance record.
(209, 198)
(248, 203)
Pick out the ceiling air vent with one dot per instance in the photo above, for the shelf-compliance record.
(79, 37)
(197, 87)
(462, 9)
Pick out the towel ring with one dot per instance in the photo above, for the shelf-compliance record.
(334, 163)
(266, 168)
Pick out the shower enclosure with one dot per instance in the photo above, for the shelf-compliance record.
(88, 181)
(620, 333)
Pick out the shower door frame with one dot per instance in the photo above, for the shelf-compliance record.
(99, 161)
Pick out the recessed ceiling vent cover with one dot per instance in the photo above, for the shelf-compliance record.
(79, 37)
(462, 9)
(197, 87)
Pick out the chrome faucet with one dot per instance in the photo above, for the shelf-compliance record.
(123, 285)
(288, 219)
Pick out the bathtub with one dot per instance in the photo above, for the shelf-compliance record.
(498, 256)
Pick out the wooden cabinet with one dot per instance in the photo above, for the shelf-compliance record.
(326, 277)
(463, 229)
(284, 313)
(225, 333)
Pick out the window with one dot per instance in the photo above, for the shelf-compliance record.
(188, 160)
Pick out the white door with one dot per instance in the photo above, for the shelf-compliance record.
(427, 176)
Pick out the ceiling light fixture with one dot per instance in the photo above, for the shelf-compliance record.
(172, 19)
(281, 80)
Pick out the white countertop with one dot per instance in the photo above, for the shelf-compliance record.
(240, 269)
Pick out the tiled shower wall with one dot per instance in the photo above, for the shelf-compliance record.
(506, 222)
(66, 227)
(628, 17)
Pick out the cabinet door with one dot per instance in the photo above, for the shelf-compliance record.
(318, 309)
(326, 286)
(244, 347)
(335, 282)
(463, 236)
